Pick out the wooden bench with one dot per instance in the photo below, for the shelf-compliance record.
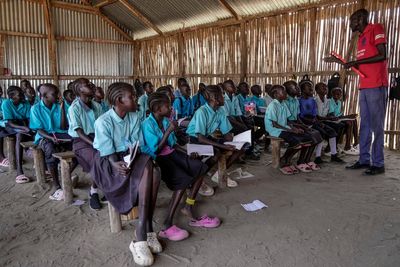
(222, 177)
(66, 182)
(10, 146)
(275, 150)
(116, 218)
(38, 162)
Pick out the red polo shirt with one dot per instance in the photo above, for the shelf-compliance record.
(376, 73)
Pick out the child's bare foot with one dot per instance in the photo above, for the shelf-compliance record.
(187, 211)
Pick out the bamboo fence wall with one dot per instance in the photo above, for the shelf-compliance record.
(274, 49)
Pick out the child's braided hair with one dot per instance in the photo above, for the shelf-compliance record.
(116, 91)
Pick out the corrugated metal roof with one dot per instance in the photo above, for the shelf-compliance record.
(170, 15)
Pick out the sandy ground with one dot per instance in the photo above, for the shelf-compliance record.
(328, 218)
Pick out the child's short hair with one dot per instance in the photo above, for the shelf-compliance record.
(212, 91)
(318, 85)
(116, 90)
(13, 90)
(275, 88)
(78, 84)
(181, 80)
(164, 90)
(303, 83)
(50, 85)
(146, 83)
(288, 83)
(229, 82)
(67, 92)
(253, 88)
(242, 84)
(156, 100)
(337, 88)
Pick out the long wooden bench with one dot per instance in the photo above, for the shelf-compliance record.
(276, 143)
(66, 182)
(38, 162)
(10, 146)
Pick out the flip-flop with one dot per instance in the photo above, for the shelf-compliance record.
(58, 195)
(5, 163)
(206, 222)
(286, 170)
(314, 166)
(304, 168)
(174, 233)
(22, 179)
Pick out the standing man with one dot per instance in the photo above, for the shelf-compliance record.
(371, 61)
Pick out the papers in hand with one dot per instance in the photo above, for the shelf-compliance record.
(202, 150)
(255, 205)
(240, 140)
(132, 154)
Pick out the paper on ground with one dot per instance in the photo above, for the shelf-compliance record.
(255, 205)
(240, 174)
(78, 202)
(202, 150)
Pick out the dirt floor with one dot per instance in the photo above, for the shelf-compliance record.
(332, 217)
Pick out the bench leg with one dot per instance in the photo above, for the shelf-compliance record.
(276, 153)
(39, 166)
(66, 181)
(222, 179)
(115, 219)
(10, 143)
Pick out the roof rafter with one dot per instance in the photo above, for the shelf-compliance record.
(230, 9)
(105, 3)
(140, 16)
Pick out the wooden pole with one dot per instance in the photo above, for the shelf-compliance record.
(51, 41)
(2, 53)
(10, 144)
(181, 49)
(243, 51)
(66, 181)
(313, 35)
(38, 162)
(115, 219)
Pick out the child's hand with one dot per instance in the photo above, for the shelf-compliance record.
(120, 167)
(173, 126)
(54, 140)
(229, 147)
(194, 155)
(297, 131)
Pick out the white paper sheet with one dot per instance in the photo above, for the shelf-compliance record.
(240, 139)
(254, 206)
(202, 150)
(238, 145)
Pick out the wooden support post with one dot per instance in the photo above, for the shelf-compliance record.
(243, 51)
(181, 54)
(313, 37)
(66, 181)
(10, 144)
(51, 41)
(2, 53)
(275, 151)
(115, 219)
(222, 177)
(136, 61)
(38, 162)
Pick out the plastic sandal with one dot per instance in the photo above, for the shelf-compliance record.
(231, 183)
(304, 168)
(294, 169)
(58, 195)
(141, 253)
(22, 179)
(206, 190)
(206, 222)
(286, 170)
(174, 233)
(5, 163)
(313, 166)
(153, 243)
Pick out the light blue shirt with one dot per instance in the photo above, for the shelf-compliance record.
(279, 113)
(242, 102)
(2, 122)
(231, 106)
(183, 107)
(82, 117)
(143, 105)
(205, 121)
(294, 107)
(153, 135)
(335, 108)
(114, 134)
(267, 100)
(13, 112)
(198, 100)
(104, 106)
(43, 118)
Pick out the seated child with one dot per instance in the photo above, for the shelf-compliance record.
(198, 99)
(16, 113)
(30, 96)
(335, 110)
(4, 162)
(293, 105)
(99, 98)
(49, 119)
(267, 97)
(82, 114)
(179, 171)
(181, 81)
(126, 186)
(68, 97)
(183, 105)
(232, 108)
(208, 123)
(308, 115)
(259, 101)
(143, 103)
(276, 123)
(323, 111)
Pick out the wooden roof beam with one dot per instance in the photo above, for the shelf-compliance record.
(105, 3)
(140, 16)
(230, 9)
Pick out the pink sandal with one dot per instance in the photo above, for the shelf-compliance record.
(304, 167)
(5, 163)
(314, 166)
(286, 170)
(174, 233)
(294, 169)
(22, 179)
(206, 222)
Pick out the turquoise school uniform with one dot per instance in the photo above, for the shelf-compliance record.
(143, 105)
(152, 135)
(2, 122)
(13, 112)
(114, 134)
(242, 102)
(104, 106)
(267, 100)
(294, 107)
(83, 117)
(231, 106)
(183, 107)
(43, 118)
(335, 108)
(198, 100)
(259, 101)
(278, 112)
(206, 120)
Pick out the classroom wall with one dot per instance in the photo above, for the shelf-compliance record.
(86, 45)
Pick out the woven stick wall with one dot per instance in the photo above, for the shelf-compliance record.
(272, 50)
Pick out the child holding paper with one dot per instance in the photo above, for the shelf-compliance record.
(178, 170)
